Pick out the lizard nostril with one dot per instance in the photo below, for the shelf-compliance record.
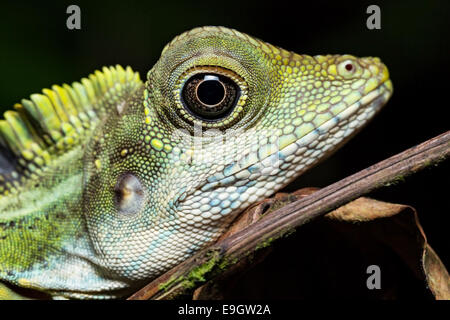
(348, 68)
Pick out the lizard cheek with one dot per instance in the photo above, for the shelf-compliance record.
(129, 194)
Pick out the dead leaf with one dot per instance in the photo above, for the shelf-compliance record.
(367, 224)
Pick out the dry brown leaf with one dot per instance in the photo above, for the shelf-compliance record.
(366, 210)
(395, 226)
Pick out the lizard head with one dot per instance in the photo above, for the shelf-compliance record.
(223, 121)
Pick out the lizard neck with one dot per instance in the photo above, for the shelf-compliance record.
(42, 228)
(35, 222)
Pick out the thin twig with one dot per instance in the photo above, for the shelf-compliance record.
(211, 261)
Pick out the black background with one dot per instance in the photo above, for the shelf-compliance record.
(37, 50)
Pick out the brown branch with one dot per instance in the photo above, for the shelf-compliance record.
(211, 261)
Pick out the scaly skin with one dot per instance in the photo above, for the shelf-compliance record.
(113, 182)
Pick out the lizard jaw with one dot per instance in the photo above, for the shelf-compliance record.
(356, 115)
(231, 194)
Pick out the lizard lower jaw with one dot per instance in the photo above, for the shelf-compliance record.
(305, 147)
(259, 174)
(379, 96)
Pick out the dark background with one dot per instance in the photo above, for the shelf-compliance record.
(37, 50)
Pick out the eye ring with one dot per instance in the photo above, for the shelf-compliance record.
(212, 115)
(210, 96)
(128, 194)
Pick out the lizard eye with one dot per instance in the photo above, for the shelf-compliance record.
(129, 194)
(210, 96)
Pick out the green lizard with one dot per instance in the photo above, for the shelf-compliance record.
(109, 182)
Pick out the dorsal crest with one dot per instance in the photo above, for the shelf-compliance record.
(47, 125)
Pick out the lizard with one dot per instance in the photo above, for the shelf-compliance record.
(111, 181)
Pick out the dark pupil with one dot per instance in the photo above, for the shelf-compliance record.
(210, 96)
(210, 92)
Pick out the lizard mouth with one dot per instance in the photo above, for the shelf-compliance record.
(254, 177)
(378, 96)
(349, 121)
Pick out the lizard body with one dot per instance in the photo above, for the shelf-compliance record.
(110, 182)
